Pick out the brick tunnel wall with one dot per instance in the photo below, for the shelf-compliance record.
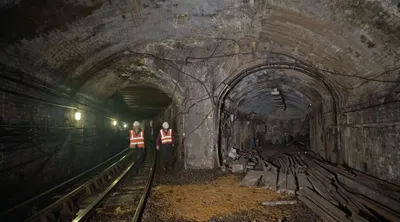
(42, 144)
(368, 136)
(372, 140)
(274, 131)
(281, 131)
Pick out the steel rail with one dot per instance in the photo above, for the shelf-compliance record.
(88, 212)
(60, 186)
(50, 208)
(142, 202)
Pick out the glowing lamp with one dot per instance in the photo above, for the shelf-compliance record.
(114, 122)
(78, 116)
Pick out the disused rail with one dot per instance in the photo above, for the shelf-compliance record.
(333, 192)
(44, 200)
(66, 206)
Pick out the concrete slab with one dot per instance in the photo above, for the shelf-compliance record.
(270, 180)
(282, 182)
(303, 181)
(252, 178)
(291, 185)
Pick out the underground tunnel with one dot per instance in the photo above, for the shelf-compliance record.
(274, 103)
(292, 103)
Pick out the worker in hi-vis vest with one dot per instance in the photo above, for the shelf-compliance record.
(136, 139)
(165, 144)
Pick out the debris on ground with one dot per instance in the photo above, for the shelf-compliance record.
(279, 202)
(221, 196)
(201, 185)
(240, 161)
(339, 195)
(239, 165)
(333, 192)
(252, 178)
(180, 176)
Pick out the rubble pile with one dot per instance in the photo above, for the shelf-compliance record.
(240, 161)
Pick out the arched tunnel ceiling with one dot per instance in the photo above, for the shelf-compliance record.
(75, 44)
(253, 94)
(142, 101)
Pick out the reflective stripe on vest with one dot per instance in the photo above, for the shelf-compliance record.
(166, 138)
(136, 139)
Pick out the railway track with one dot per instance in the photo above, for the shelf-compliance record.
(114, 189)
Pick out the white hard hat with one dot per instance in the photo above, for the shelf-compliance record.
(165, 125)
(136, 123)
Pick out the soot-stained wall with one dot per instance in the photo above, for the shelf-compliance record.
(282, 131)
(371, 137)
(199, 47)
(42, 144)
(265, 134)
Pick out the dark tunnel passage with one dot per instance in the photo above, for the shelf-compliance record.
(265, 107)
(47, 137)
(233, 78)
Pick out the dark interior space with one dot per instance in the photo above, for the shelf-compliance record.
(297, 100)
(272, 107)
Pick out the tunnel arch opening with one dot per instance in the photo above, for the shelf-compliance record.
(126, 82)
(322, 111)
(47, 111)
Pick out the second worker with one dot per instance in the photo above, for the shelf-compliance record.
(165, 144)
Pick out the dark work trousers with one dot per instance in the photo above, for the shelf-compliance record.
(166, 155)
(140, 157)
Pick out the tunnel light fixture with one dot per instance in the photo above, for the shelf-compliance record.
(275, 92)
(125, 125)
(78, 116)
(114, 122)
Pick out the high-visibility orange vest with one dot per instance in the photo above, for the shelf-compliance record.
(136, 139)
(166, 138)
